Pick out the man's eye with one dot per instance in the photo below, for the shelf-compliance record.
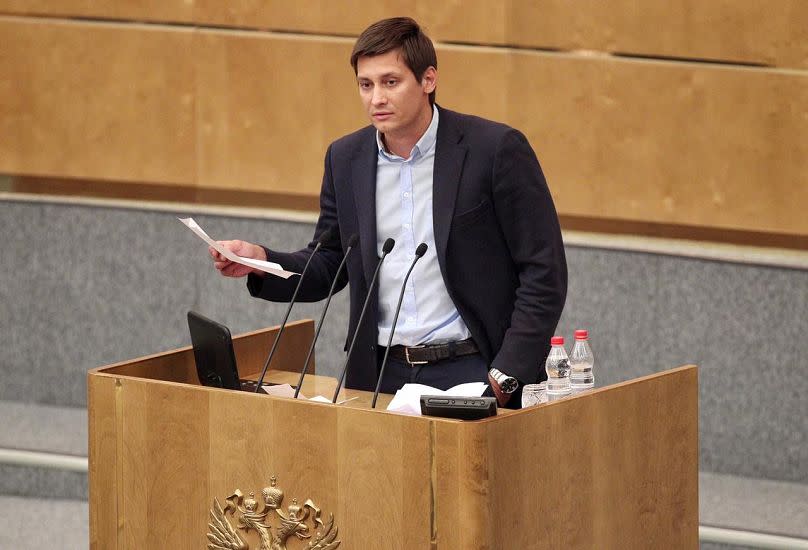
(392, 82)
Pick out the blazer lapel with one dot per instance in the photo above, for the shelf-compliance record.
(363, 181)
(449, 158)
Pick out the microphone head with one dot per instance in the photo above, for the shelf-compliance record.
(421, 250)
(353, 240)
(325, 236)
(388, 246)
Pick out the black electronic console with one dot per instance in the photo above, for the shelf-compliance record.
(463, 408)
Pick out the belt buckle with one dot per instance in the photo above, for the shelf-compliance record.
(410, 361)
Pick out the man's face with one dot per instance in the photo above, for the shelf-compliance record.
(396, 102)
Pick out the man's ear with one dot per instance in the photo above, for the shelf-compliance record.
(429, 80)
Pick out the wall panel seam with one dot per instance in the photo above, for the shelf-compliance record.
(235, 30)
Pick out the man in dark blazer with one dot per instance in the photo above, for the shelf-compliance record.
(498, 257)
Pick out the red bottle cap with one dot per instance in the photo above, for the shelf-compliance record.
(557, 341)
(581, 335)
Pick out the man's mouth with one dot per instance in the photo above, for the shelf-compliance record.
(382, 115)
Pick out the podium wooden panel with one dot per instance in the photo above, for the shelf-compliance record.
(613, 468)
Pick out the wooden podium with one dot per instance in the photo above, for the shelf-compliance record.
(616, 467)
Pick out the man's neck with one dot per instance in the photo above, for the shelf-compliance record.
(402, 144)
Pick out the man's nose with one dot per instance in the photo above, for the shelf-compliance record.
(379, 97)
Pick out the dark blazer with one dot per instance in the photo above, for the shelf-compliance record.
(496, 231)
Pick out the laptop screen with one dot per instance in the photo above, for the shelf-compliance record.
(213, 352)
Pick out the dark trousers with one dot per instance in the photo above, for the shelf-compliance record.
(441, 374)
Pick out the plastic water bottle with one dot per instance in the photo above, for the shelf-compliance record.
(558, 370)
(581, 363)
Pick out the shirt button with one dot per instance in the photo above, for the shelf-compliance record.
(406, 194)
(406, 226)
(410, 320)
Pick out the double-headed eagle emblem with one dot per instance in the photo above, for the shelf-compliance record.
(256, 516)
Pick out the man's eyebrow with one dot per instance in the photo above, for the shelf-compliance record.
(394, 74)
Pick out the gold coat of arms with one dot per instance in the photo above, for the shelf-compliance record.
(258, 517)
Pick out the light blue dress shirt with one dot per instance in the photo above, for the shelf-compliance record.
(404, 212)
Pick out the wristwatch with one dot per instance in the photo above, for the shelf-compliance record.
(507, 383)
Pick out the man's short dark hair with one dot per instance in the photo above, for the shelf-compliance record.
(387, 35)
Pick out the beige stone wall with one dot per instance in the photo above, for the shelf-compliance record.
(693, 114)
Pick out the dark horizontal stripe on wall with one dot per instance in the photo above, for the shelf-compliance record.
(305, 203)
(704, 60)
(163, 193)
(177, 24)
(688, 232)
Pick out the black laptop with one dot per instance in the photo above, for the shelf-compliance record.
(214, 355)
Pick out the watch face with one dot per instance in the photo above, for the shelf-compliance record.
(508, 384)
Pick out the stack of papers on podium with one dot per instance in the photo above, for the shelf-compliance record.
(408, 399)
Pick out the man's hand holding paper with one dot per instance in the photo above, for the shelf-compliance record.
(242, 249)
(237, 258)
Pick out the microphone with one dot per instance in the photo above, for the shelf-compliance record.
(325, 236)
(351, 244)
(386, 248)
(419, 252)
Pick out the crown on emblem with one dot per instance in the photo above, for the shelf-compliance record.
(272, 495)
(250, 504)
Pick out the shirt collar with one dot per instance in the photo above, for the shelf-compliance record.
(423, 145)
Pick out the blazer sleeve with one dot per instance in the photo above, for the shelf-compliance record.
(323, 266)
(528, 219)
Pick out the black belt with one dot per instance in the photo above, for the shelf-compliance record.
(423, 355)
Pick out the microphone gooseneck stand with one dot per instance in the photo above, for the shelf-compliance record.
(351, 244)
(419, 252)
(388, 246)
(324, 236)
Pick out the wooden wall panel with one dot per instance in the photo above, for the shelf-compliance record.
(136, 10)
(751, 31)
(107, 101)
(747, 31)
(347, 17)
(650, 141)
(642, 141)
(669, 143)
(269, 106)
(474, 80)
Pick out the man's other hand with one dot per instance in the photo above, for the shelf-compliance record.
(239, 248)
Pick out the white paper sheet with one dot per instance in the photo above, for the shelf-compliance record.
(286, 390)
(267, 267)
(279, 390)
(407, 400)
(320, 399)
